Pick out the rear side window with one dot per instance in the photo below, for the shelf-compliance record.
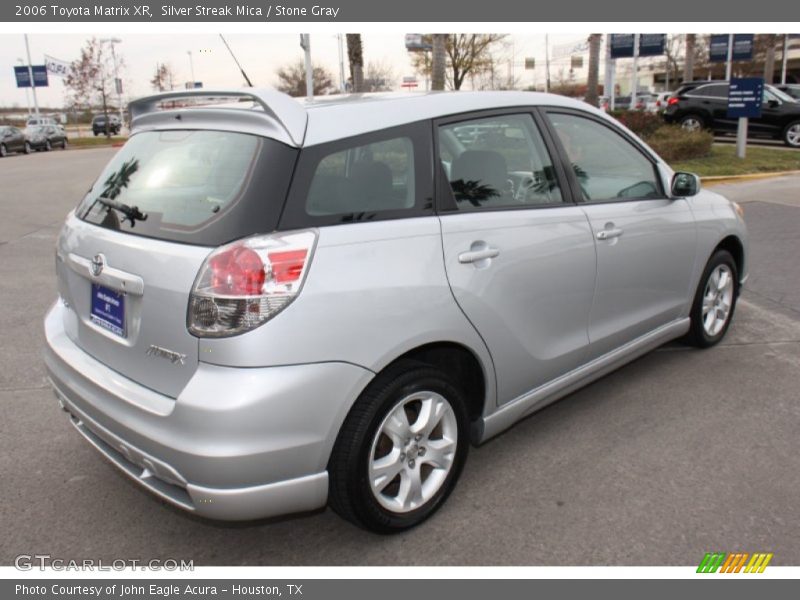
(200, 187)
(371, 178)
(382, 175)
(498, 162)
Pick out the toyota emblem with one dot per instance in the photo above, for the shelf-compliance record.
(98, 262)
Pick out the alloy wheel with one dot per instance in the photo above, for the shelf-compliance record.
(413, 451)
(793, 135)
(717, 300)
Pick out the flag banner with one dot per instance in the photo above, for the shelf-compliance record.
(56, 66)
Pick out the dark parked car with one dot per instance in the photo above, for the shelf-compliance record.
(46, 137)
(790, 89)
(704, 104)
(12, 140)
(100, 124)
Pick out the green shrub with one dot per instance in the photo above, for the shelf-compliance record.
(673, 143)
(639, 122)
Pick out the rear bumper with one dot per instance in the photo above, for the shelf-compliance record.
(236, 444)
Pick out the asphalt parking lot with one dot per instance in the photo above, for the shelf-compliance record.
(680, 453)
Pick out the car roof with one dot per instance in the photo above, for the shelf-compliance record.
(300, 122)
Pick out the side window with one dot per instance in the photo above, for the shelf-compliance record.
(714, 90)
(364, 179)
(498, 162)
(607, 166)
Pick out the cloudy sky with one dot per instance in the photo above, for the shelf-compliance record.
(260, 55)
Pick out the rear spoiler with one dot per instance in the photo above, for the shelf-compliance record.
(287, 112)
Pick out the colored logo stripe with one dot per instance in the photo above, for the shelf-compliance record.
(734, 562)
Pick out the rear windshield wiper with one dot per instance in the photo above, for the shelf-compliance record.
(132, 213)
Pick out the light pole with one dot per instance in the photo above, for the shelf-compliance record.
(191, 66)
(117, 83)
(30, 74)
(27, 95)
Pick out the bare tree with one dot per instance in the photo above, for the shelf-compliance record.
(292, 79)
(164, 78)
(466, 55)
(594, 69)
(673, 48)
(379, 77)
(90, 79)
(355, 56)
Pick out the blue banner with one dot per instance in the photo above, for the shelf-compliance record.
(621, 45)
(718, 48)
(743, 46)
(652, 44)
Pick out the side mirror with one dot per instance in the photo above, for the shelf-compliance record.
(774, 103)
(685, 185)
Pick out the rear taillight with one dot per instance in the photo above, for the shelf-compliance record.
(672, 100)
(244, 284)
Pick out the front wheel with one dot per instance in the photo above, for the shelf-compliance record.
(48, 146)
(3, 150)
(27, 149)
(714, 301)
(791, 135)
(401, 449)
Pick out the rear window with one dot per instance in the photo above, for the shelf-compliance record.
(200, 187)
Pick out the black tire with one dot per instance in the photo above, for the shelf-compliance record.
(3, 151)
(350, 494)
(791, 134)
(48, 146)
(64, 144)
(27, 148)
(686, 122)
(96, 133)
(698, 336)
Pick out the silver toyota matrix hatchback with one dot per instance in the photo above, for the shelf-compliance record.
(266, 306)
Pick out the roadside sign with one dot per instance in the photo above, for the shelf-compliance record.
(409, 81)
(415, 42)
(622, 45)
(576, 62)
(24, 78)
(744, 97)
(193, 85)
(652, 44)
(118, 85)
(530, 63)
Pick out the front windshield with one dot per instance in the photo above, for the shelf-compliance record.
(782, 96)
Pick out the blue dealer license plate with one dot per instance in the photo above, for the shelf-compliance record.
(108, 309)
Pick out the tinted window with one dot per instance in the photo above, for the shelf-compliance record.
(716, 90)
(606, 165)
(497, 162)
(368, 178)
(201, 187)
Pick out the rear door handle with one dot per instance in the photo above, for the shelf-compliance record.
(476, 255)
(607, 234)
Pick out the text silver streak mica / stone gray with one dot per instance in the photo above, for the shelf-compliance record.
(433, 268)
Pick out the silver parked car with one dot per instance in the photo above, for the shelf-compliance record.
(266, 306)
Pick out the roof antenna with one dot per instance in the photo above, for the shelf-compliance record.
(233, 56)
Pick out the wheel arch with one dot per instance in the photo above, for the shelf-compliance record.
(734, 245)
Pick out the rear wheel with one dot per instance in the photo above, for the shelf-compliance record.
(3, 150)
(791, 135)
(401, 449)
(714, 301)
(64, 144)
(27, 149)
(48, 146)
(692, 122)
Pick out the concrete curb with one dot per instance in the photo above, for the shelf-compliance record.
(720, 179)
